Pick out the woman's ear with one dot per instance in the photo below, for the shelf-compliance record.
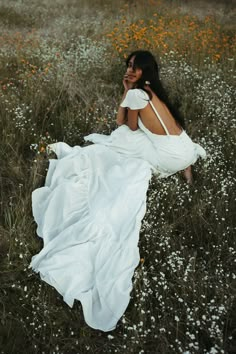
(147, 86)
(138, 73)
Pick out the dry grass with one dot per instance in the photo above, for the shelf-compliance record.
(61, 65)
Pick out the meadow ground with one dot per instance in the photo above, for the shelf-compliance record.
(61, 68)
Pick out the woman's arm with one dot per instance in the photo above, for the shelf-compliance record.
(121, 117)
(128, 109)
(127, 116)
(132, 121)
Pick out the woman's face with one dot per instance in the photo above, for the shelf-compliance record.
(133, 74)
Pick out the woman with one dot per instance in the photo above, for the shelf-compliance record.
(146, 110)
(150, 110)
(90, 210)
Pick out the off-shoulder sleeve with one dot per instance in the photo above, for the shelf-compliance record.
(135, 99)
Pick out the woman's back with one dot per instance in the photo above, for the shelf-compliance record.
(151, 121)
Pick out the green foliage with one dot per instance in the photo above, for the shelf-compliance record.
(62, 81)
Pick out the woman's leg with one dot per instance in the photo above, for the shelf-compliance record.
(188, 174)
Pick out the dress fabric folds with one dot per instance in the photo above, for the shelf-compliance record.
(89, 215)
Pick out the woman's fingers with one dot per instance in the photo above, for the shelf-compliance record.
(125, 81)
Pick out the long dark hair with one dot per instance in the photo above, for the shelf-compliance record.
(144, 60)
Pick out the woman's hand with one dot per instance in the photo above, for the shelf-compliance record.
(127, 84)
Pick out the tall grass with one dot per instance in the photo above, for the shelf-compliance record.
(61, 68)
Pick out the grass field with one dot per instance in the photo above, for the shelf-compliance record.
(61, 69)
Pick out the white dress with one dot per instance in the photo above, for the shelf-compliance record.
(90, 210)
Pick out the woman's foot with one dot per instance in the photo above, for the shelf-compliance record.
(188, 175)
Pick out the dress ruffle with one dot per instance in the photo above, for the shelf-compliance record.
(89, 215)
